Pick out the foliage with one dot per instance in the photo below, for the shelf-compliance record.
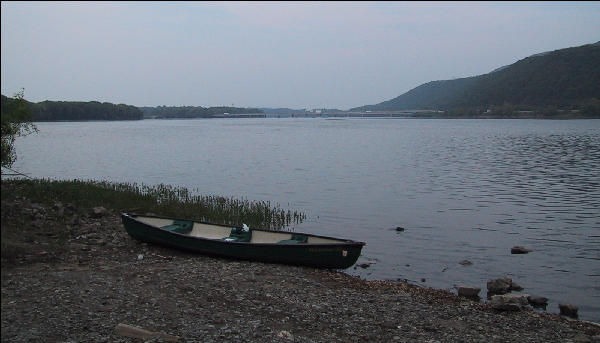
(591, 108)
(566, 79)
(76, 110)
(178, 202)
(428, 96)
(193, 111)
(15, 122)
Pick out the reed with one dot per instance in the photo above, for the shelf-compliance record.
(166, 200)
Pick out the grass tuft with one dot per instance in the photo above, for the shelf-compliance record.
(160, 199)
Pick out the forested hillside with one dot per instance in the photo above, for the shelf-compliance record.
(561, 80)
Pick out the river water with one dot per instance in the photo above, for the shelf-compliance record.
(462, 189)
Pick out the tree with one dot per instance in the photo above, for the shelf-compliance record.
(15, 116)
(591, 108)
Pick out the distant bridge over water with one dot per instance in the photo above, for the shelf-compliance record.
(354, 114)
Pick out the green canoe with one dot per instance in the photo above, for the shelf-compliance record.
(244, 243)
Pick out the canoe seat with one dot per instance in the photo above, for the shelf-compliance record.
(180, 226)
(239, 235)
(296, 239)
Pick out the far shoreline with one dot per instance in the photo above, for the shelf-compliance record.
(287, 116)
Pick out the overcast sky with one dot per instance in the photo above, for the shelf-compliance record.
(275, 54)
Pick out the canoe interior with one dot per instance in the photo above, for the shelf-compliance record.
(257, 244)
(211, 231)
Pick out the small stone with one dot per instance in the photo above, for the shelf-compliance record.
(140, 257)
(36, 207)
(75, 220)
(465, 263)
(98, 212)
(365, 265)
(581, 338)
(568, 310)
(519, 250)
(285, 335)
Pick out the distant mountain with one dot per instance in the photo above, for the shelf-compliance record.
(566, 79)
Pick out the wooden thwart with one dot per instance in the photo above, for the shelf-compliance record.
(135, 332)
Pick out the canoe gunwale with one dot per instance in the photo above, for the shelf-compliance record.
(335, 255)
(342, 242)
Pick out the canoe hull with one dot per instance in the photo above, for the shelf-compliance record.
(330, 256)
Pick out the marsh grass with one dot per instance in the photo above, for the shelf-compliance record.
(164, 200)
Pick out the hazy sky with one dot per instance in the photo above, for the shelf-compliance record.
(275, 54)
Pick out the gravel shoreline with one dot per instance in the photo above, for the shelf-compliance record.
(77, 276)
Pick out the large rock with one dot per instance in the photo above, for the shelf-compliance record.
(568, 310)
(519, 250)
(499, 286)
(509, 302)
(468, 292)
(540, 302)
(98, 212)
(515, 286)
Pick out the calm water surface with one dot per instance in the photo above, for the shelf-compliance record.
(463, 189)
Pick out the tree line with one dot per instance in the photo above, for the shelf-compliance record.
(194, 111)
(76, 110)
(94, 110)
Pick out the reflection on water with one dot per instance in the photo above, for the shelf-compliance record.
(463, 189)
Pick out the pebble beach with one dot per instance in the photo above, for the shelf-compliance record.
(77, 276)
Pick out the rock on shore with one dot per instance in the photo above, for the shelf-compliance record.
(502, 286)
(509, 302)
(469, 292)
